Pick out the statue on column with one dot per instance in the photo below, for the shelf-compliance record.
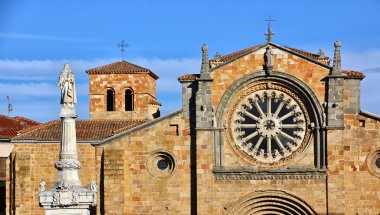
(67, 84)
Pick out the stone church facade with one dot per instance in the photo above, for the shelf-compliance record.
(266, 130)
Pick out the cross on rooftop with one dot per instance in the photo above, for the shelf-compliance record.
(269, 33)
(122, 45)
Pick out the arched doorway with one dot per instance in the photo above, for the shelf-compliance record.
(269, 202)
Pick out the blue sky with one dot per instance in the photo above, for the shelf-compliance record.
(38, 37)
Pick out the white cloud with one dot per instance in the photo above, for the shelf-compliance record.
(42, 70)
(361, 60)
(39, 37)
(32, 90)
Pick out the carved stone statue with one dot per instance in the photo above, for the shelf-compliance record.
(213, 118)
(93, 186)
(42, 186)
(269, 57)
(67, 84)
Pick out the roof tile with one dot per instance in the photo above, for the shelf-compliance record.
(121, 67)
(353, 74)
(189, 77)
(240, 53)
(9, 126)
(86, 130)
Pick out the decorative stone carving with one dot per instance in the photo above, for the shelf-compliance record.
(268, 202)
(269, 124)
(67, 164)
(93, 186)
(269, 57)
(42, 186)
(373, 162)
(321, 53)
(337, 70)
(161, 164)
(205, 67)
(268, 176)
(65, 198)
(269, 61)
(67, 84)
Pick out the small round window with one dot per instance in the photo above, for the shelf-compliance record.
(377, 163)
(161, 164)
(373, 162)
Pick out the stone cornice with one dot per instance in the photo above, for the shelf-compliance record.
(254, 174)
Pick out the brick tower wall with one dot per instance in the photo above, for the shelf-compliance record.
(142, 85)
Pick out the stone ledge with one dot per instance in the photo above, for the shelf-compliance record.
(255, 174)
(335, 127)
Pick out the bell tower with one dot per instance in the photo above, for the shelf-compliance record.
(122, 90)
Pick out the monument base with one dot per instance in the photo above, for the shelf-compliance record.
(67, 200)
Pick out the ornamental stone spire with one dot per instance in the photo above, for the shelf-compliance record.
(205, 67)
(68, 196)
(337, 70)
(203, 96)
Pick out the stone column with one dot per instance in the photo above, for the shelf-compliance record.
(67, 196)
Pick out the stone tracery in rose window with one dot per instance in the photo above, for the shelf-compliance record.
(268, 125)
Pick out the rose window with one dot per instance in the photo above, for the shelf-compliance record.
(268, 125)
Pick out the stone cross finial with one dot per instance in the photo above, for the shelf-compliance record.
(337, 59)
(217, 55)
(269, 33)
(321, 53)
(205, 64)
(66, 82)
(122, 45)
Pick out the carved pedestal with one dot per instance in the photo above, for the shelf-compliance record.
(69, 200)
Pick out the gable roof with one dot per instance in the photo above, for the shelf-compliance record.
(121, 67)
(86, 130)
(216, 62)
(325, 61)
(9, 126)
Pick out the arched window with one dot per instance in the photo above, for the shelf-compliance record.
(128, 100)
(110, 100)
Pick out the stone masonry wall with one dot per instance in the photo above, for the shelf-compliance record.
(350, 183)
(144, 192)
(214, 195)
(143, 86)
(35, 163)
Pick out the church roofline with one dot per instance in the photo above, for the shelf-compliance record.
(50, 131)
(121, 67)
(370, 115)
(247, 51)
(139, 127)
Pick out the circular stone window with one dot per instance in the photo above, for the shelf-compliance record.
(267, 124)
(161, 164)
(373, 162)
